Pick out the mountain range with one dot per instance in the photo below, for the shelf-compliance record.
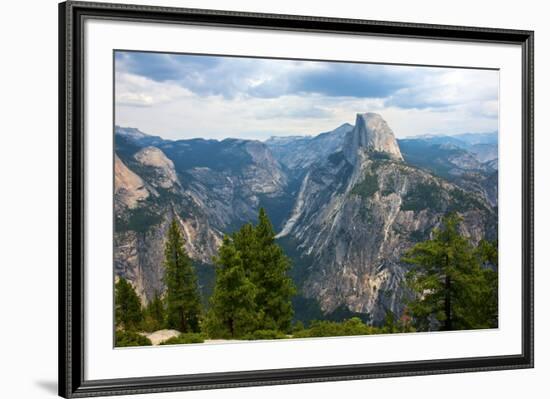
(346, 205)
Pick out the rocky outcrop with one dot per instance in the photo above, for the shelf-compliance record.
(350, 202)
(162, 167)
(298, 153)
(360, 210)
(139, 252)
(157, 185)
(129, 187)
(372, 134)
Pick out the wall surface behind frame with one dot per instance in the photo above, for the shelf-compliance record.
(28, 166)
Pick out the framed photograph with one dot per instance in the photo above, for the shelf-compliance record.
(253, 199)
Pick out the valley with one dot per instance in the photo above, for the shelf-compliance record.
(346, 206)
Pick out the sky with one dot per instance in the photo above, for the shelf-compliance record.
(178, 96)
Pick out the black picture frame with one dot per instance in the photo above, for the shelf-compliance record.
(71, 199)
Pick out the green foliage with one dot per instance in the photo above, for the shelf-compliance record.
(301, 263)
(367, 187)
(487, 253)
(154, 315)
(232, 306)
(418, 235)
(265, 334)
(487, 256)
(206, 279)
(130, 338)
(128, 312)
(452, 288)
(353, 326)
(269, 272)
(389, 186)
(342, 313)
(429, 195)
(183, 306)
(306, 309)
(253, 290)
(324, 328)
(422, 196)
(187, 338)
(379, 155)
(394, 325)
(139, 220)
(298, 326)
(461, 201)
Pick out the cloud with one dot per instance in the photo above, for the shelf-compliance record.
(162, 67)
(205, 96)
(265, 78)
(446, 87)
(139, 91)
(336, 80)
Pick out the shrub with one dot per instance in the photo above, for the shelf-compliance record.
(187, 338)
(265, 334)
(367, 187)
(423, 196)
(353, 326)
(130, 338)
(298, 326)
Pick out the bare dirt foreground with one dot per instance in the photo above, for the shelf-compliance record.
(162, 335)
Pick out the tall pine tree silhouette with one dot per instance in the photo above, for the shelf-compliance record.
(450, 283)
(253, 290)
(232, 312)
(128, 311)
(183, 305)
(270, 275)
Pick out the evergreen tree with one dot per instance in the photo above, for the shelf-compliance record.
(252, 269)
(487, 255)
(232, 310)
(247, 244)
(449, 282)
(270, 275)
(128, 312)
(182, 296)
(154, 314)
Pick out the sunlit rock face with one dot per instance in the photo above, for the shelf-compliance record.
(371, 134)
(346, 205)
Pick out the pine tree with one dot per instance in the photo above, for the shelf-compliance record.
(252, 269)
(247, 244)
(270, 275)
(128, 312)
(232, 310)
(449, 282)
(183, 306)
(154, 314)
(487, 255)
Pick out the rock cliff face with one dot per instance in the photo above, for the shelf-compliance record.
(208, 196)
(162, 168)
(144, 208)
(129, 187)
(371, 133)
(298, 153)
(358, 211)
(349, 203)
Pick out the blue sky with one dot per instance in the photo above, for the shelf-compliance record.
(183, 96)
